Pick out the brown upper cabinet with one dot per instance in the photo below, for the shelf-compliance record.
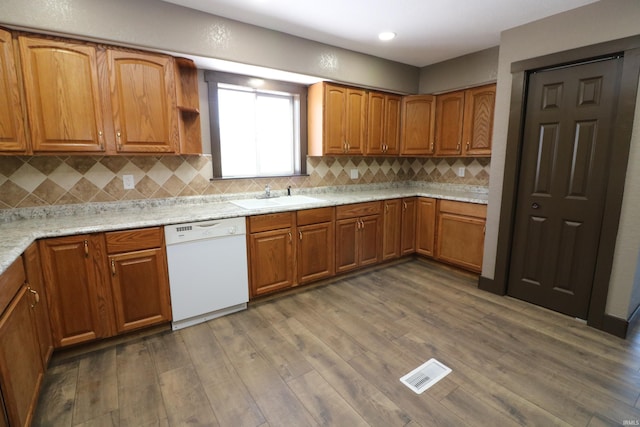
(12, 134)
(464, 122)
(383, 124)
(63, 96)
(337, 117)
(85, 98)
(418, 123)
(143, 102)
(449, 117)
(479, 104)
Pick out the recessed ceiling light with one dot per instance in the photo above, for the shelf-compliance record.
(387, 35)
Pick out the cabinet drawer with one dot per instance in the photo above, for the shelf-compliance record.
(134, 240)
(269, 222)
(315, 216)
(463, 208)
(10, 282)
(358, 209)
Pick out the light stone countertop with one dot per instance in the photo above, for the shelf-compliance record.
(20, 227)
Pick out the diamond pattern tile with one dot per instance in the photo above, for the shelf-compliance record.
(59, 180)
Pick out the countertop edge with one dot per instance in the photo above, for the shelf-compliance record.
(19, 234)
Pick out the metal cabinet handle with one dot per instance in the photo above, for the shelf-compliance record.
(118, 135)
(458, 146)
(101, 139)
(113, 267)
(468, 145)
(36, 296)
(300, 234)
(86, 249)
(290, 237)
(404, 205)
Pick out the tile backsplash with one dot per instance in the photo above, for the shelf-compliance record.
(58, 180)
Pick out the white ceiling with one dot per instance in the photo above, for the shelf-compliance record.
(429, 31)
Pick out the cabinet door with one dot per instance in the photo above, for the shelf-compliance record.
(408, 227)
(63, 96)
(376, 123)
(356, 121)
(346, 247)
(391, 229)
(418, 123)
(271, 261)
(12, 136)
(21, 369)
(143, 98)
(478, 120)
(449, 121)
(140, 288)
(74, 274)
(425, 228)
(33, 269)
(335, 120)
(392, 107)
(315, 254)
(461, 240)
(370, 240)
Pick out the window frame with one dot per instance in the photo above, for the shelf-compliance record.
(212, 78)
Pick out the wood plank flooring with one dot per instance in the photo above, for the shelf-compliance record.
(333, 355)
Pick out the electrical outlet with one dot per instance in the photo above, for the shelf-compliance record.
(354, 173)
(461, 171)
(127, 181)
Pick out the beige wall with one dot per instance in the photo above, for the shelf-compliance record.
(602, 21)
(469, 70)
(158, 25)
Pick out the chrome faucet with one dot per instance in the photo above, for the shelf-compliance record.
(267, 191)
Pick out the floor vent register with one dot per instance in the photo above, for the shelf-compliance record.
(425, 375)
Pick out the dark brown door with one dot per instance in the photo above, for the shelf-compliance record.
(565, 152)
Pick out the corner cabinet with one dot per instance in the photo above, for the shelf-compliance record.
(12, 133)
(337, 118)
(21, 368)
(63, 94)
(143, 102)
(271, 252)
(418, 124)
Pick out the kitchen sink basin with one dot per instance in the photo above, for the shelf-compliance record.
(273, 202)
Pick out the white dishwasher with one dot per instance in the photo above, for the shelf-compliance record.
(208, 275)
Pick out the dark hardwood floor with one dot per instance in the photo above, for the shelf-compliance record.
(333, 355)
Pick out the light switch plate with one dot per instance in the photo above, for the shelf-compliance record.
(127, 181)
(354, 173)
(461, 171)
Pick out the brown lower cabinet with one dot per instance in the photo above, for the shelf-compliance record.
(40, 306)
(139, 279)
(358, 235)
(21, 369)
(271, 252)
(93, 294)
(399, 228)
(461, 228)
(316, 236)
(426, 226)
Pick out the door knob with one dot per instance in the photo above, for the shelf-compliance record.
(534, 205)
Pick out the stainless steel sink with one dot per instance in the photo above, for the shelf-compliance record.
(275, 202)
